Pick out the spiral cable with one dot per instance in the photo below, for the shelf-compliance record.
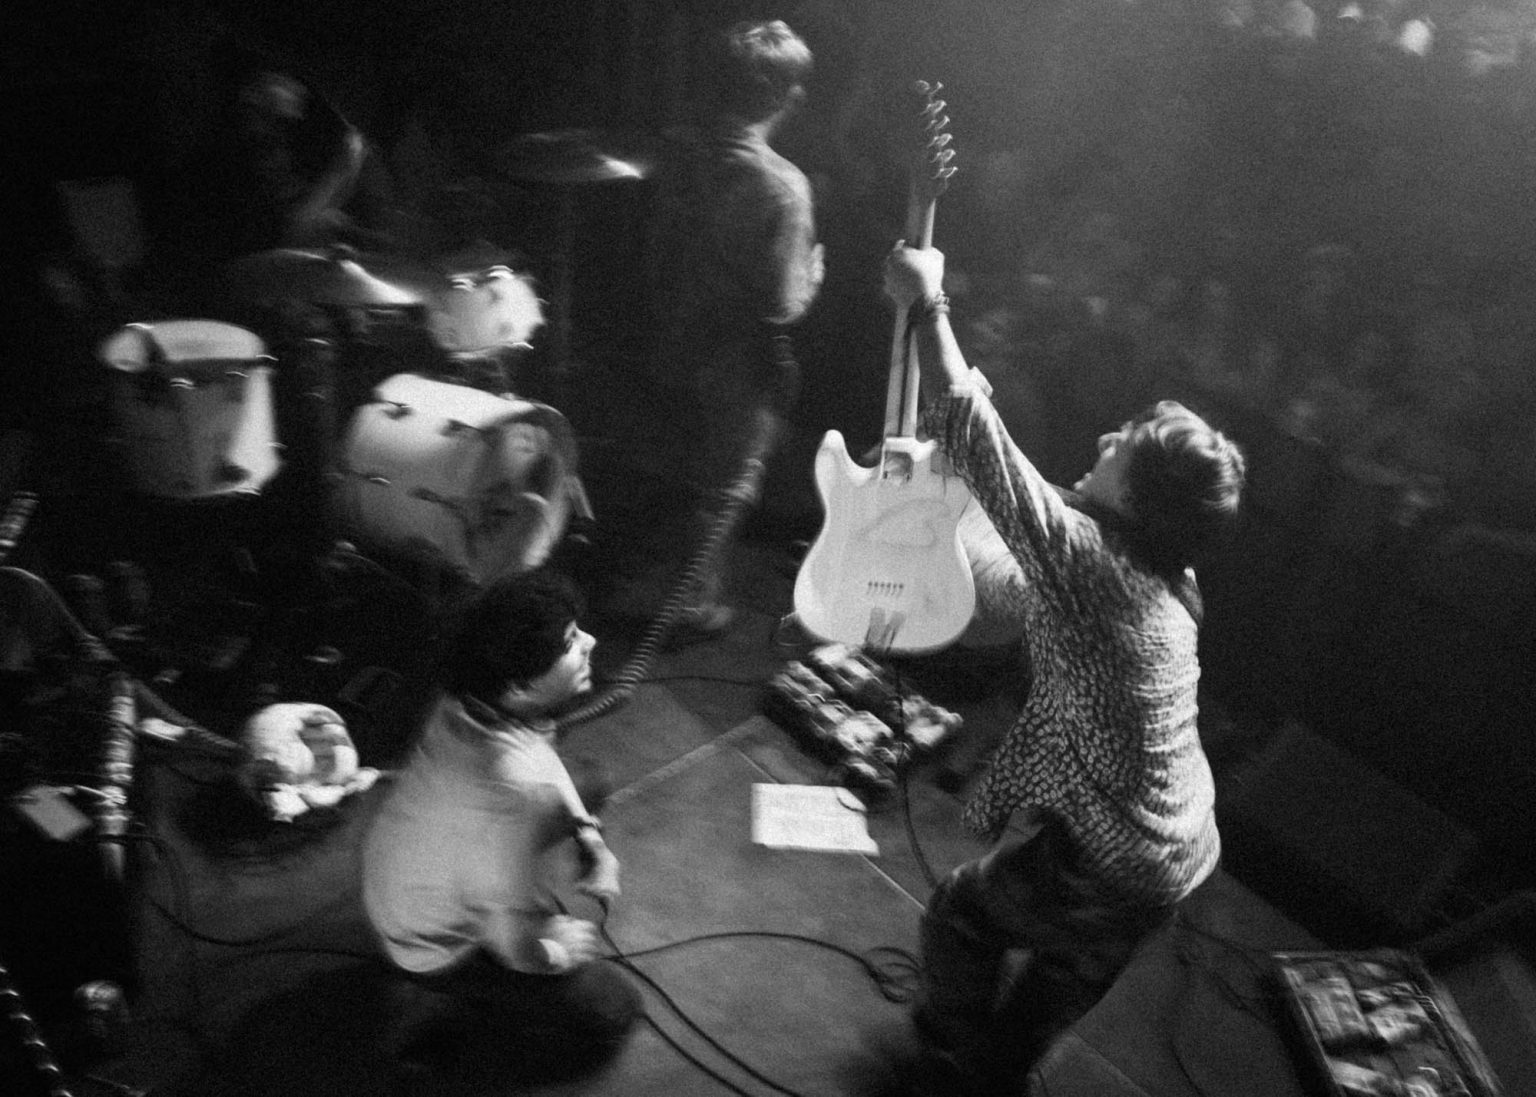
(29, 1035)
(743, 491)
(638, 666)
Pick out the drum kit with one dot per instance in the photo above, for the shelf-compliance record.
(193, 408)
(440, 463)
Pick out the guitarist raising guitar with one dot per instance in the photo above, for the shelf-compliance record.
(887, 572)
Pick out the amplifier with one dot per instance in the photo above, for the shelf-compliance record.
(1342, 849)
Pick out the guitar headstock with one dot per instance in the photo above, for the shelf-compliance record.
(933, 169)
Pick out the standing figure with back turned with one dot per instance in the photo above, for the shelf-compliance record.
(464, 862)
(1104, 764)
(732, 260)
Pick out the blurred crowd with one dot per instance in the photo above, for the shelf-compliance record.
(1319, 217)
(1432, 396)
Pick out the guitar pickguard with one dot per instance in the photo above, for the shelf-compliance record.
(887, 571)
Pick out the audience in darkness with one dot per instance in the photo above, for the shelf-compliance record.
(1422, 398)
(1393, 340)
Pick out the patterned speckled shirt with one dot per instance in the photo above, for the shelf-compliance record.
(1107, 738)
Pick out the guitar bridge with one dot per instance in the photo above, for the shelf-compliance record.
(883, 627)
(884, 590)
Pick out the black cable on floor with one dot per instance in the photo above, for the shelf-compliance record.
(189, 1021)
(693, 1060)
(1257, 1008)
(894, 979)
(183, 895)
(1253, 1007)
(917, 849)
(906, 800)
(620, 958)
(888, 984)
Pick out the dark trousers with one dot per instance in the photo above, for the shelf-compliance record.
(741, 416)
(562, 1022)
(1016, 947)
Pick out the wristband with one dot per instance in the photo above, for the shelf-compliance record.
(558, 956)
(930, 308)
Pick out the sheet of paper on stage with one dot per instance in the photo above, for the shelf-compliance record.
(817, 817)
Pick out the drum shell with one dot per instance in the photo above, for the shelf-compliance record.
(191, 407)
(485, 311)
(479, 483)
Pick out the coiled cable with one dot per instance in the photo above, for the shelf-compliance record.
(743, 491)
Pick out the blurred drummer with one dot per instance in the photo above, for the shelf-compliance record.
(734, 260)
(243, 156)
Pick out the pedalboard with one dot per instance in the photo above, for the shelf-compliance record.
(848, 709)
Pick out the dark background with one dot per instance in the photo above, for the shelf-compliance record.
(1278, 213)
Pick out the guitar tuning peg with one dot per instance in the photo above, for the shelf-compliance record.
(940, 140)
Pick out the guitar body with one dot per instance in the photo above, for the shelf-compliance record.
(888, 571)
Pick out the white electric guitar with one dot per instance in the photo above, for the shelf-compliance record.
(887, 572)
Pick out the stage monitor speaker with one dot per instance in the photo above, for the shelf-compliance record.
(1343, 850)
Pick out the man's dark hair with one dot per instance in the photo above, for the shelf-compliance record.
(510, 634)
(759, 68)
(1186, 483)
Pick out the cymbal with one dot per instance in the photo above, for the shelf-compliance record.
(333, 276)
(577, 156)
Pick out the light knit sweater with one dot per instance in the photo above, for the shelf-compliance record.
(461, 855)
(1107, 738)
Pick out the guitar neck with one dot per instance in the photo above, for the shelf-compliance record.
(901, 403)
(930, 175)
